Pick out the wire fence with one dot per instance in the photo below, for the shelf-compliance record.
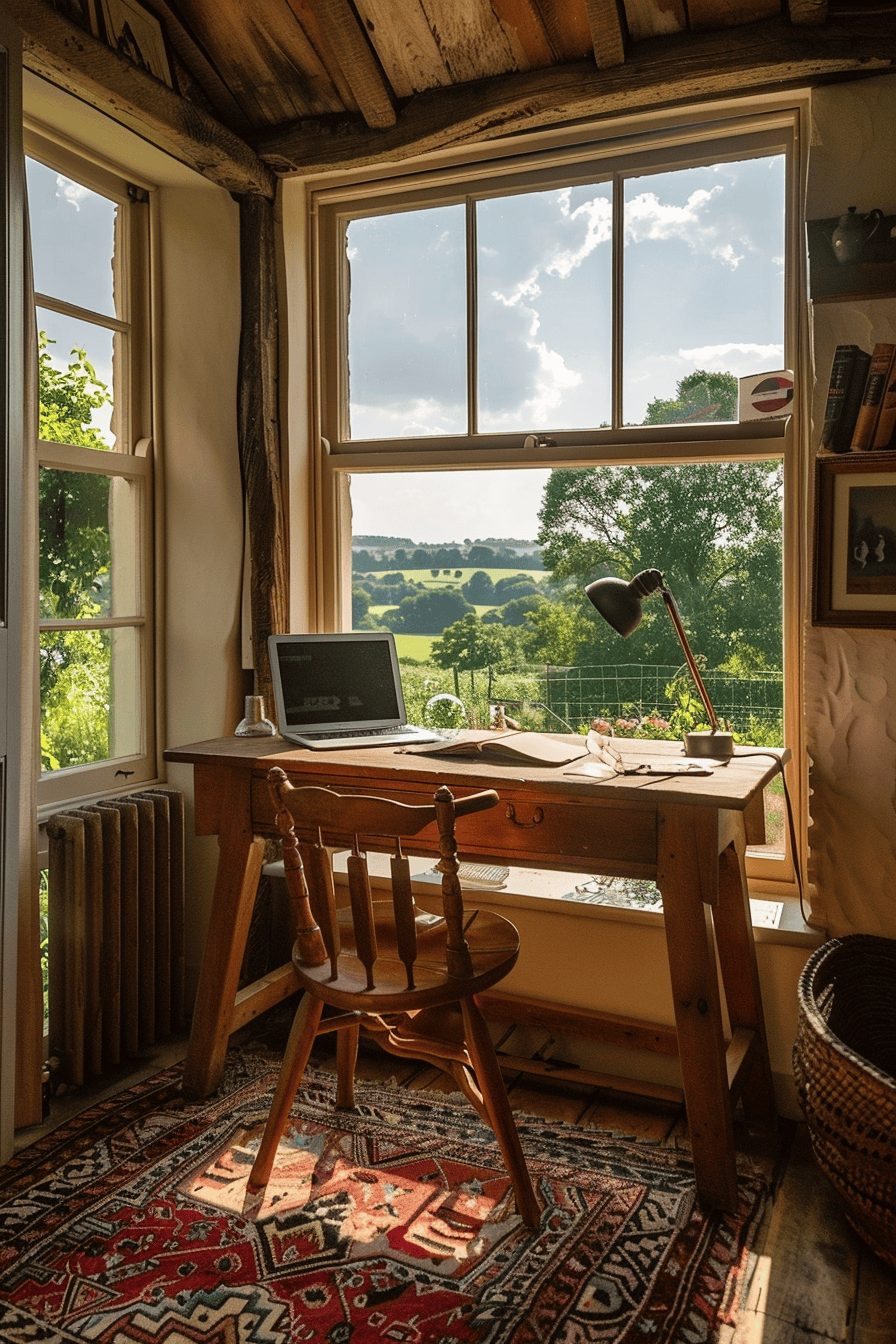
(630, 690)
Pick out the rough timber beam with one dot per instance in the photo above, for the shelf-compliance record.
(358, 63)
(79, 63)
(606, 33)
(661, 72)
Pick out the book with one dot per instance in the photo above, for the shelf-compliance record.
(886, 421)
(876, 381)
(849, 369)
(537, 748)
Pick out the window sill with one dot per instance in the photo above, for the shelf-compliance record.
(541, 890)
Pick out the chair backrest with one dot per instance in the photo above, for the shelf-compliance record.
(313, 821)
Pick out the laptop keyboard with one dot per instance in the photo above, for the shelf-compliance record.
(359, 732)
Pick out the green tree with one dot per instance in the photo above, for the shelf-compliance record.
(427, 613)
(712, 529)
(699, 397)
(75, 560)
(479, 589)
(468, 645)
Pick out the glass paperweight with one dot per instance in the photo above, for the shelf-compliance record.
(255, 724)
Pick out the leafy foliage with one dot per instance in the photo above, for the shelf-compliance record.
(75, 560)
(712, 529)
(700, 397)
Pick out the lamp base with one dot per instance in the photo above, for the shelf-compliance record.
(709, 744)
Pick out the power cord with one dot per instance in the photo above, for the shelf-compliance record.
(771, 755)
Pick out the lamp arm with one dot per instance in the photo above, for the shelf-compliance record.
(691, 662)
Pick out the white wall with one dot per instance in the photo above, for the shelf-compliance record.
(199, 341)
(851, 674)
(197, 320)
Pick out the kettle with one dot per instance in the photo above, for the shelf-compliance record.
(853, 232)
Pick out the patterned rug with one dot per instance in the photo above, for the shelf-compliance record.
(394, 1222)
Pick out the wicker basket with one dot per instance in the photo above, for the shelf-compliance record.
(844, 1062)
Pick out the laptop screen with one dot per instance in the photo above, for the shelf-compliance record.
(336, 681)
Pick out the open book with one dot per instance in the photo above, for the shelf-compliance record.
(511, 745)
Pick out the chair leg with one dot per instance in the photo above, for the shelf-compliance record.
(298, 1048)
(494, 1094)
(346, 1057)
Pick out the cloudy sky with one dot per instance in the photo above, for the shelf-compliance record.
(703, 289)
(71, 222)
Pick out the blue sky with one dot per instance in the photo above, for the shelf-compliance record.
(703, 289)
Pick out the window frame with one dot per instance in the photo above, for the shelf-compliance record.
(132, 459)
(584, 154)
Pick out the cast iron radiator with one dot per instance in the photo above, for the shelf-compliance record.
(116, 930)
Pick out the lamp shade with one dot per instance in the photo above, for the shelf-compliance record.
(619, 602)
(620, 605)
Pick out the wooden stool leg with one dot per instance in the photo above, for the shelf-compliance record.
(298, 1048)
(346, 1056)
(494, 1094)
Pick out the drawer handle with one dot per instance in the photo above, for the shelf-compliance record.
(537, 817)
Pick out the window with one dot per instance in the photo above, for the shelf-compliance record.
(528, 375)
(90, 253)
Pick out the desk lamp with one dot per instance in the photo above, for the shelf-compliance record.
(620, 605)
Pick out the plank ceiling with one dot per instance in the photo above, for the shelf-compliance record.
(289, 86)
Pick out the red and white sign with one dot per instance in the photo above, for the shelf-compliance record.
(765, 396)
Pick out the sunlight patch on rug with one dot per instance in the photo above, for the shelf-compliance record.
(393, 1222)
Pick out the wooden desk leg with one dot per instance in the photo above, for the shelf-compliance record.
(687, 876)
(236, 883)
(740, 976)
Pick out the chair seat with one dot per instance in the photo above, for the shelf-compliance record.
(493, 943)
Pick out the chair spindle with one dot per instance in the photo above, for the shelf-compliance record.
(405, 912)
(456, 950)
(309, 942)
(362, 910)
(319, 869)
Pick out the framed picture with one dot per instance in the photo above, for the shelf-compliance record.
(855, 540)
(134, 32)
(82, 12)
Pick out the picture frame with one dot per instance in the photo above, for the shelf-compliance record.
(136, 33)
(84, 13)
(854, 572)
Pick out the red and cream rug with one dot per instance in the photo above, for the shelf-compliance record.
(394, 1222)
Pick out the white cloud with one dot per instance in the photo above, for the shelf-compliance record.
(739, 358)
(647, 218)
(69, 191)
(597, 216)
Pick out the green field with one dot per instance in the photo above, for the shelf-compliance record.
(418, 647)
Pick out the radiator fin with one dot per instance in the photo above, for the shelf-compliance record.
(116, 920)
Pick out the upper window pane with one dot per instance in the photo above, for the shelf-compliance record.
(704, 288)
(544, 297)
(407, 324)
(72, 240)
(76, 381)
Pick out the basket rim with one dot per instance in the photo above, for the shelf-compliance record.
(833, 949)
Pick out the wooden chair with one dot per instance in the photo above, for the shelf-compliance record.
(407, 976)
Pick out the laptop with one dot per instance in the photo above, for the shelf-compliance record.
(340, 691)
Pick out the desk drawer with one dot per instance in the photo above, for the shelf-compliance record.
(526, 829)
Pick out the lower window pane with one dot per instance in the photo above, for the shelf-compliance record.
(89, 681)
(481, 575)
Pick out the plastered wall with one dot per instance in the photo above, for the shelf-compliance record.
(850, 675)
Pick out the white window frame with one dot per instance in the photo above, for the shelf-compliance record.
(668, 141)
(131, 460)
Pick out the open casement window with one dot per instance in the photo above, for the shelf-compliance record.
(554, 340)
(90, 240)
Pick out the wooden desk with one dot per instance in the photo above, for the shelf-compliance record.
(688, 833)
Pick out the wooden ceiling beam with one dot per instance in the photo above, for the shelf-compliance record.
(606, 33)
(659, 73)
(358, 63)
(80, 64)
